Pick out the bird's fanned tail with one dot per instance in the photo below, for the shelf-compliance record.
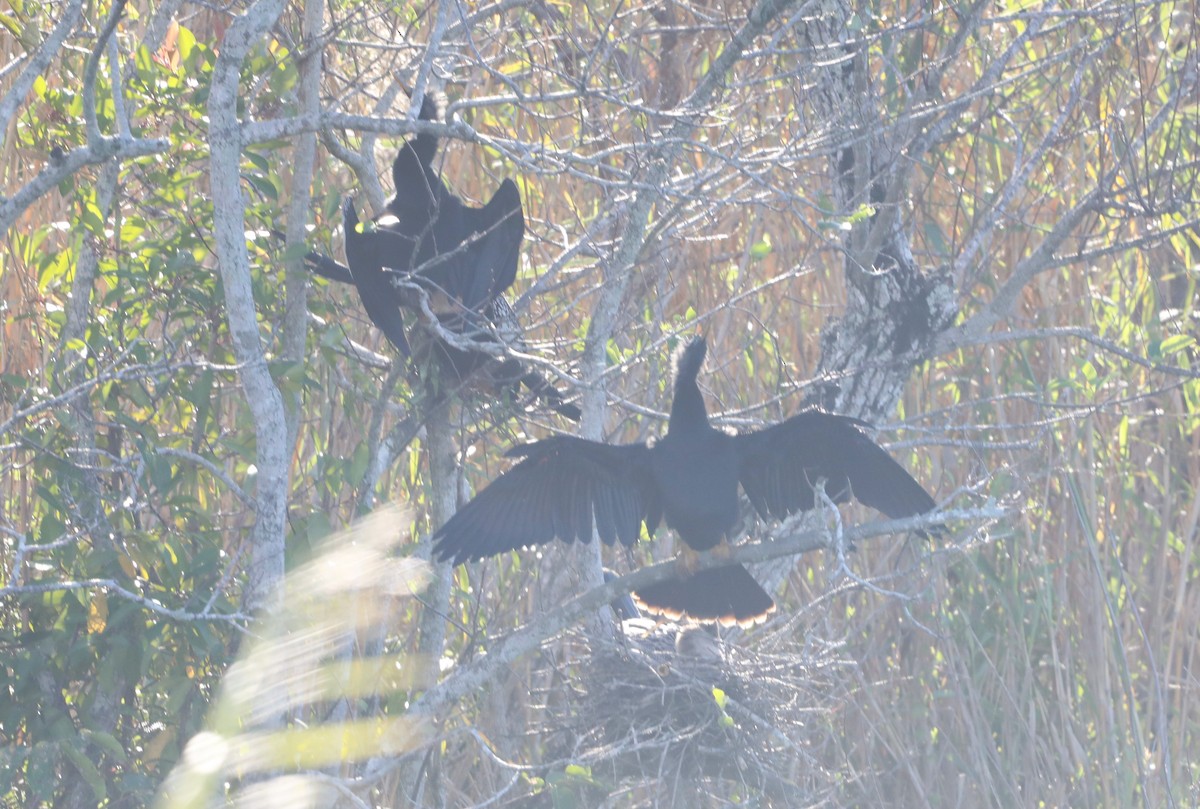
(727, 594)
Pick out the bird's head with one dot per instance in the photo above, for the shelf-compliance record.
(689, 358)
(431, 106)
(349, 216)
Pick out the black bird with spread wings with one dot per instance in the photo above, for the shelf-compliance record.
(462, 259)
(565, 485)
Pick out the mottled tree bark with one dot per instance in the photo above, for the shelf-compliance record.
(893, 308)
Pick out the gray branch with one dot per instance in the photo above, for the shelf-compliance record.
(785, 542)
(262, 395)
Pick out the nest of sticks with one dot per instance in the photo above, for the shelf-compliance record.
(659, 713)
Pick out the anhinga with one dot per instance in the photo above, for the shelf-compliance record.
(460, 257)
(563, 486)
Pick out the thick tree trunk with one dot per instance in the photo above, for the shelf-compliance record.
(893, 309)
(420, 775)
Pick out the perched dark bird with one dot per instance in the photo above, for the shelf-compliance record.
(459, 258)
(463, 257)
(564, 485)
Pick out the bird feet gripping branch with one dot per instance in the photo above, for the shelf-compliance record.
(688, 561)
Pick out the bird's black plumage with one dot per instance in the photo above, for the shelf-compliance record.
(689, 477)
(463, 258)
(381, 299)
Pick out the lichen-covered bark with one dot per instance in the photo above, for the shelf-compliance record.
(894, 309)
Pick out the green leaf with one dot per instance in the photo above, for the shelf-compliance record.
(186, 42)
(762, 249)
(863, 213)
(92, 219)
(1176, 343)
(7, 21)
(87, 770)
(106, 742)
(263, 185)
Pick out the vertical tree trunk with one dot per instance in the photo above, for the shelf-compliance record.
(265, 568)
(85, 491)
(420, 777)
(295, 280)
(893, 310)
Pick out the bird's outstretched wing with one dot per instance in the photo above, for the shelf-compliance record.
(559, 488)
(471, 254)
(778, 466)
(501, 225)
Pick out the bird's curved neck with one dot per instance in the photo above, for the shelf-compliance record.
(425, 148)
(687, 410)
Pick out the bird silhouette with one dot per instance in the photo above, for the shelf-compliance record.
(450, 258)
(462, 257)
(564, 487)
